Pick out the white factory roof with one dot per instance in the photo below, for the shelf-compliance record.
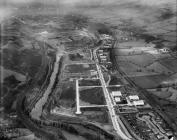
(103, 56)
(134, 97)
(100, 50)
(116, 93)
(139, 102)
(117, 99)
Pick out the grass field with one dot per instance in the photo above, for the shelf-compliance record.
(96, 114)
(92, 96)
(159, 68)
(140, 60)
(165, 93)
(67, 96)
(115, 81)
(76, 57)
(151, 81)
(91, 82)
(80, 68)
(170, 63)
(134, 70)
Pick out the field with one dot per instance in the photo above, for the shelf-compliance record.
(67, 96)
(115, 80)
(170, 64)
(91, 82)
(140, 60)
(80, 68)
(148, 70)
(169, 94)
(122, 89)
(76, 57)
(93, 96)
(96, 114)
(134, 70)
(149, 81)
(80, 56)
(72, 136)
(159, 68)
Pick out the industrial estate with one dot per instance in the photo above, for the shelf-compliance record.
(71, 77)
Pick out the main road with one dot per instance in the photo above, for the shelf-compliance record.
(110, 105)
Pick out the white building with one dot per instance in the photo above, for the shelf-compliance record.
(107, 46)
(100, 51)
(139, 102)
(116, 93)
(134, 97)
(93, 72)
(103, 56)
(117, 99)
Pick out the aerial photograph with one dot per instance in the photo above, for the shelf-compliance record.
(88, 69)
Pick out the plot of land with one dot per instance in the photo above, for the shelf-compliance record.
(159, 68)
(165, 93)
(115, 81)
(67, 96)
(91, 82)
(96, 114)
(140, 60)
(80, 68)
(170, 63)
(149, 81)
(93, 96)
(134, 70)
(81, 56)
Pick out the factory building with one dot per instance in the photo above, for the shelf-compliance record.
(133, 97)
(138, 103)
(93, 72)
(117, 99)
(116, 93)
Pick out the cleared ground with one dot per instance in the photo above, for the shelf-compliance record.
(96, 114)
(91, 82)
(80, 68)
(93, 96)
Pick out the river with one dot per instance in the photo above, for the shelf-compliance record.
(37, 110)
